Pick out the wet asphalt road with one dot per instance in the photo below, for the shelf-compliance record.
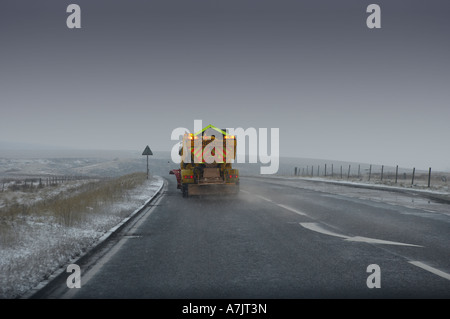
(274, 240)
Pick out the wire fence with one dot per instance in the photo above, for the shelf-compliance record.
(32, 183)
(378, 174)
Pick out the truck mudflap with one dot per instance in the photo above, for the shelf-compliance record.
(212, 189)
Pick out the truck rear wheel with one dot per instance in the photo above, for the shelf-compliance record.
(184, 190)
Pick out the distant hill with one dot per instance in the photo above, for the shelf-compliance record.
(13, 146)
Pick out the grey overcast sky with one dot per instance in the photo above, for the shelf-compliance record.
(138, 69)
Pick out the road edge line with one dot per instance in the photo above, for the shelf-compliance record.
(31, 293)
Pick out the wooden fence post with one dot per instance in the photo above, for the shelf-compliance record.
(429, 177)
(396, 174)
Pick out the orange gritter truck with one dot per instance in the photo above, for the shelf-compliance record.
(206, 163)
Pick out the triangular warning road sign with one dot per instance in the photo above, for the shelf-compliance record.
(147, 151)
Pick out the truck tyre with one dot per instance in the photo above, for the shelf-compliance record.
(184, 189)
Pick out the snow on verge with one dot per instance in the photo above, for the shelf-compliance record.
(47, 245)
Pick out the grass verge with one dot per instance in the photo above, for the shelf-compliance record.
(39, 237)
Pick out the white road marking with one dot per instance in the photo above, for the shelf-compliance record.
(430, 269)
(317, 228)
(259, 196)
(91, 272)
(378, 241)
(279, 205)
(104, 259)
(264, 198)
(291, 209)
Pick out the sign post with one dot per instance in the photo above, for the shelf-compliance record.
(147, 152)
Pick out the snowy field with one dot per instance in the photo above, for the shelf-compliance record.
(44, 244)
(35, 244)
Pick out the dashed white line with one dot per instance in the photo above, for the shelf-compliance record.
(279, 205)
(291, 209)
(317, 228)
(264, 198)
